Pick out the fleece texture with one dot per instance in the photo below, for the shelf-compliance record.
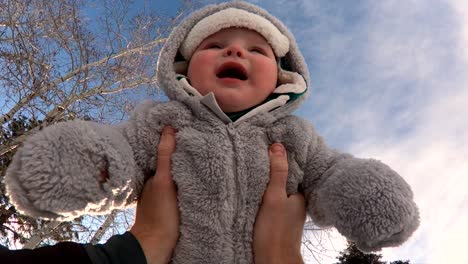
(221, 167)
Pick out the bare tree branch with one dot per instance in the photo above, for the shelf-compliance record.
(7, 117)
(103, 228)
(37, 238)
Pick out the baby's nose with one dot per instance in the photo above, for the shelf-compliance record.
(233, 50)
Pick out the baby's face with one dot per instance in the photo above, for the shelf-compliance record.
(237, 65)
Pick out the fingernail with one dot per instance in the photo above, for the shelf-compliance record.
(277, 148)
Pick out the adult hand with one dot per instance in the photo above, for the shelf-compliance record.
(157, 215)
(280, 220)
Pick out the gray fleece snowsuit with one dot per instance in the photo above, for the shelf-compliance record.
(221, 167)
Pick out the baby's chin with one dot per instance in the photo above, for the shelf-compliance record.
(232, 100)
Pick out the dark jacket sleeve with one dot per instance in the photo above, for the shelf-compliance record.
(64, 252)
(119, 249)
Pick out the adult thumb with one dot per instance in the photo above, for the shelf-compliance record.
(278, 168)
(165, 147)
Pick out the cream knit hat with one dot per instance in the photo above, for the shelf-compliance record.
(233, 17)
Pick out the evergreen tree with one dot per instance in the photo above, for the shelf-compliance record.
(14, 227)
(352, 255)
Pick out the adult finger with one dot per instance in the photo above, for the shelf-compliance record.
(157, 215)
(278, 169)
(165, 149)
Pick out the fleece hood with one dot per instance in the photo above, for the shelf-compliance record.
(293, 75)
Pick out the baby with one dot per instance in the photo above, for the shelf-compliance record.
(233, 74)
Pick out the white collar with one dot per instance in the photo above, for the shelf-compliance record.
(295, 83)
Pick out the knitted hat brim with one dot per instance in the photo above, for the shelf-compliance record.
(233, 17)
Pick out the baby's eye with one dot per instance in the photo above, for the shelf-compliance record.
(258, 50)
(213, 46)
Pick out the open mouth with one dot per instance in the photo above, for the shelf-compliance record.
(232, 70)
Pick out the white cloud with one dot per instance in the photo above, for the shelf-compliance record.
(433, 159)
(461, 8)
(452, 243)
(433, 155)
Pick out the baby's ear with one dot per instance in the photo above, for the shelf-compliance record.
(180, 64)
(180, 67)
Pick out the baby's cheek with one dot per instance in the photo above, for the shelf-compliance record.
(200, 73)
(269, 70)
